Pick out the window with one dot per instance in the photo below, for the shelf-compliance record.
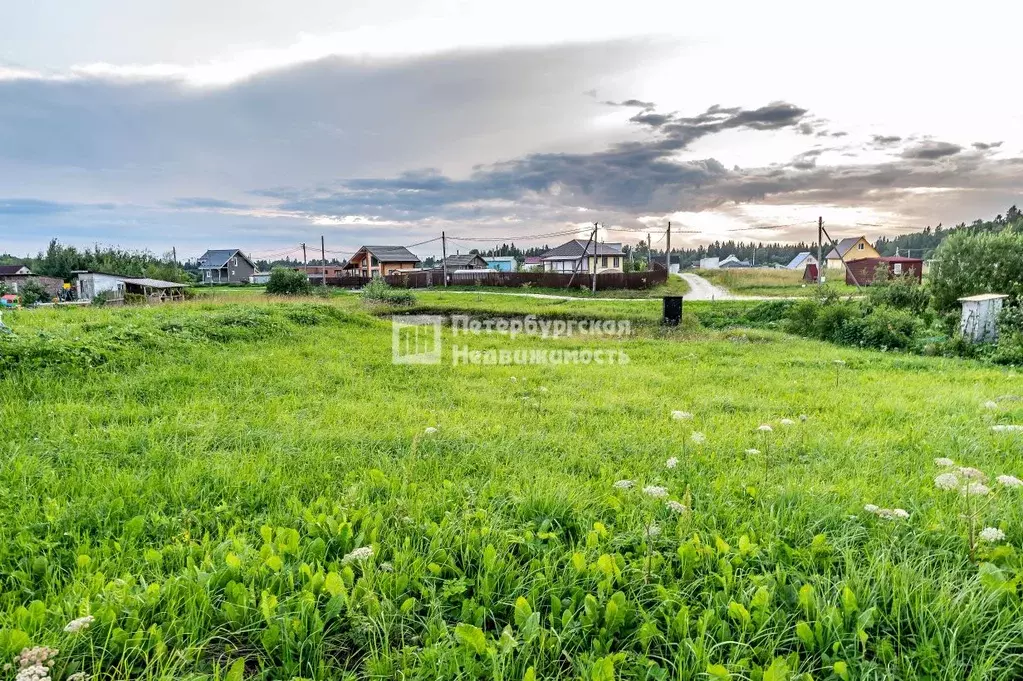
(859, 246)
(616, 261)
(898, 268)
(604, 262)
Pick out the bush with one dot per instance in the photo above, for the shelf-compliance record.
(379, 291)
(285, 282)
(134, 299)
(33, 292)
(898, 292)
(967, 264)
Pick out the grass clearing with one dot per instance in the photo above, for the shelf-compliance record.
(202, 487)
(773, 282)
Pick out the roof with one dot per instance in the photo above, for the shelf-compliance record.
(844, 246)
(13, 269)
(533, 259)
(983, 296)
(217, 259)
(390, 253)
(898, 258)
(729, 264)
(151, 283)
(576, 248)
(798, 260)
(461, 260)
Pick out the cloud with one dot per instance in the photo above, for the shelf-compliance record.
(204, 202)
(985, 146)
(32, 207)
(885, 141)
(637, 103)
(929, 151)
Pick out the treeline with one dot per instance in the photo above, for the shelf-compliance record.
(60, 261)
(923, 244)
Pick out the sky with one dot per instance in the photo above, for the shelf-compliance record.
(259, 124)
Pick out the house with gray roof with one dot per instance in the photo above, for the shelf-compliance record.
(379, 261)
(466, 261)
(801, 261)
(225, 266)
(581, 255)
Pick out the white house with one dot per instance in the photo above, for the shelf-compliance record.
(580, 255)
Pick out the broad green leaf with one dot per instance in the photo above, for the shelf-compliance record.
(274, 563)
(805, 634)
(849, 604)
(333, 584)
(603, 669)
(579, 562)
(522, 611)
(778, 671)
(237, 671)
(489, 557)
(739, 613)
(841, 670)
(718, 671)
(530, 675)
(471, 637)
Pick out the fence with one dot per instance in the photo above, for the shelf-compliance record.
(608, 280)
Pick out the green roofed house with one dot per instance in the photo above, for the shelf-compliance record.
(225, 266)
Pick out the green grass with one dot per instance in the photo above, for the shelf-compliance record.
(193, 476)
(773, 282)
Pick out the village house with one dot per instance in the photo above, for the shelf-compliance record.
(579, 255)
(469, 261)
(801, 261)
(849, 249)
(14, 277)
(502, 264)
(225, 266)
(379, 261)
(532, 263)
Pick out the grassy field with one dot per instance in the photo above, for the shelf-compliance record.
(772, 282)
(252, 490)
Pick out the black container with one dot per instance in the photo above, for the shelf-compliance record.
(672, 310)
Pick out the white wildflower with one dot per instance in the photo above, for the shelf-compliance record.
(1009, 481)
(991, 535)
(675, 506)
(681, 415)
(893, 513)
(944, 461)
(1006, 428)
(839, 362)
(698, 437)
(990, 405)
(360, 554)
(787, 422)
(752, 452)
(78, 676)
(653, 531)
(79, 624)
(35, 672)
(871, 508)
(765, 428)
(655, 491)
(430, 430)
(974, 489)
(624, 484)
(900, 513)
(803, 417)
(946, 481)
(971, 473)
(40, 655)
(672, 462)
(386, 567)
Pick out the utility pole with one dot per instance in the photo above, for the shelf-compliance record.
(305, 262)
(323, 262)
(667, 250)
(594, 257)
(820, 261)
(649, 252)
(444, 253)
(174, 256)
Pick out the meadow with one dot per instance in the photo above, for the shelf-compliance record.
(773, 282)
(244, 489)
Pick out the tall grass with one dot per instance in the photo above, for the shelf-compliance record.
(198, 494)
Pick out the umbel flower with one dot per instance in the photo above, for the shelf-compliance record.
(971, 473)
(430, 430)
(1009, 481)
(787, 422)
(698, 437)
(991, 535)
(80, 624)
(655, 491)
(972, 489)
(624, 484)
(358, 555)
(946, 481)
(752, 452)
(672, 462)
(765, 428)
(944, 462)
(675, 506)
(681, 415)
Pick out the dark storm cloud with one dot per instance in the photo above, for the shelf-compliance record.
(930, 151)
(985, 146)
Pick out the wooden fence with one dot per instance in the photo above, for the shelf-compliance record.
(435, 278)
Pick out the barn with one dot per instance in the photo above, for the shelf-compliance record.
(866, 269)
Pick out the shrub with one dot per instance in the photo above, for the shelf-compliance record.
(285, 282)
(134, 299)
(967, 264)
(33, 292)
(379, 291)
(898, 292)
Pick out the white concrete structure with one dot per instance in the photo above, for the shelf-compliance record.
(709, 263)
(979, 322)
(92, 284)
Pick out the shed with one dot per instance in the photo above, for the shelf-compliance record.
(979, 321)
(502, 263)
(865, 269)
(465, 261)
